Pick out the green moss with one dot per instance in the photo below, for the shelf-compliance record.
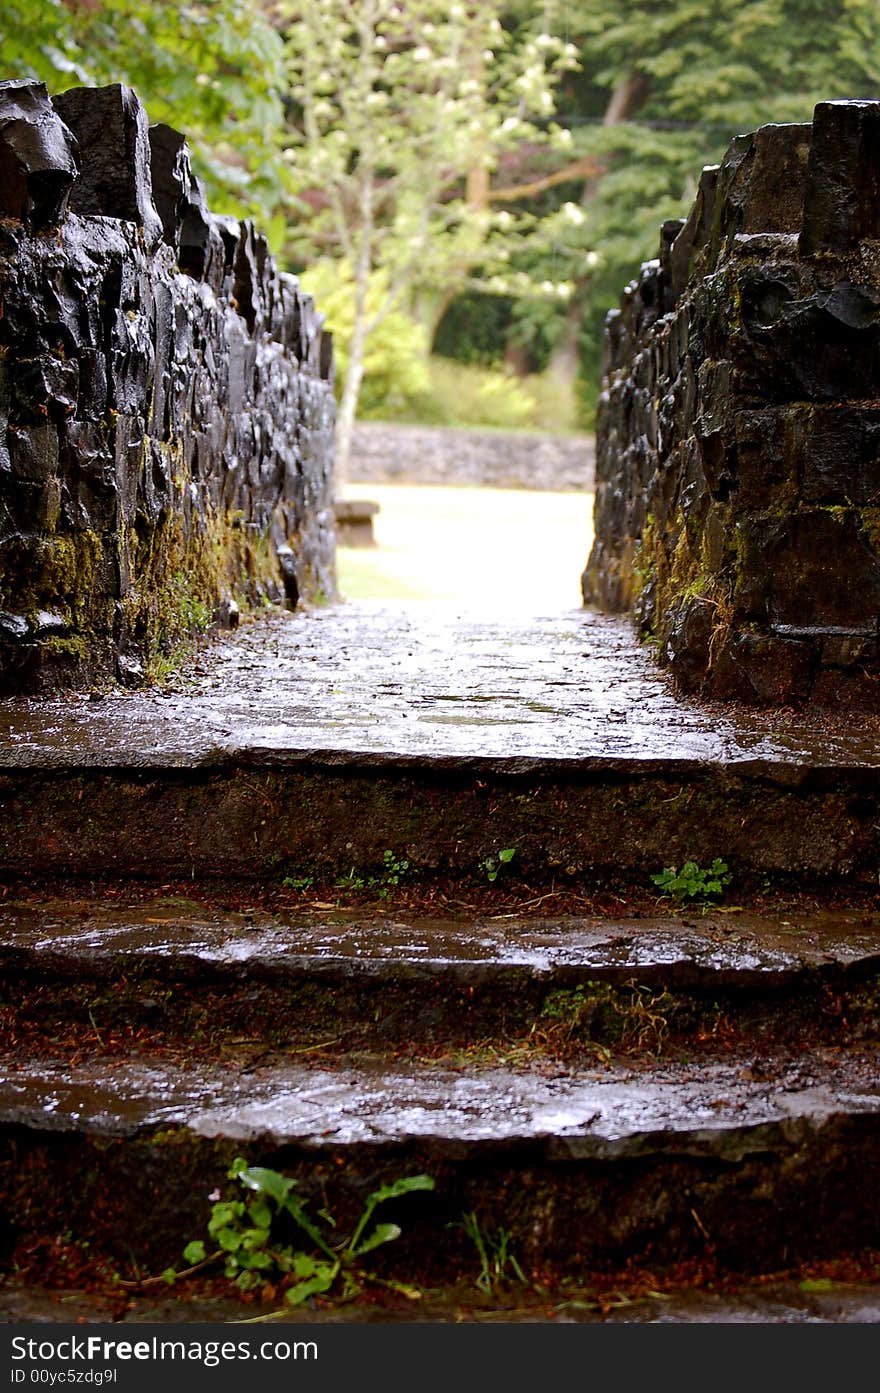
(869, 524)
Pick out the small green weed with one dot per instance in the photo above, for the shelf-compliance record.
(395, 868)
(254, 1237)
(497, 1262)
(298, 882)
(353, 881)
(491, 866)
(693, 882)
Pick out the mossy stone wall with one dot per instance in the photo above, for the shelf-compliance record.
(738, 444)
(166, 401)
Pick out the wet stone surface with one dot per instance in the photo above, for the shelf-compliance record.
(703, 1109)
(710, 951)
(373, 684)
(777, 1303)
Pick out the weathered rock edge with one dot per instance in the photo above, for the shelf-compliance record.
(166, 400)
(738, 465)
(580, 1171)
(241, 820)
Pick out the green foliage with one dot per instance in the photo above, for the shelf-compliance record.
(482, 398)
(399, 112)
(694, 882)
(474, 329)
(255, 1236)
(298, 882)
(395, 356)
(394, 869)
(497, 1262)
(492, 866)
(213, 69)
(661, 92)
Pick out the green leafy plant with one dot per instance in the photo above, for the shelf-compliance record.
(491, 866)
(298, 882)
(497, 1262)
(253, 1237)
(395, 868)
(693, 882)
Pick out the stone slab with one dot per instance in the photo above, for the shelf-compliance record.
(703, 1109)
(368, 684)
(710, 953)
(316, 742)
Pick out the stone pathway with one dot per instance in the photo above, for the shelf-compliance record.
(424, 682)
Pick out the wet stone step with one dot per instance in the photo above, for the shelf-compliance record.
(580, 1166)
(198, 974)
(311, 744)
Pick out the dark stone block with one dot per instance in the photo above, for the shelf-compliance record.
(170, 178)
(688, 644)
(764, 176)
(837, 453)
(180, 200)
(822, 348)
(842, 199)
(33, 452)
(111, 129)
(43, 388)
(763, 669)
(821, 571)
(37, 164)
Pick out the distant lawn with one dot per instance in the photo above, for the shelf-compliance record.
(488, 549)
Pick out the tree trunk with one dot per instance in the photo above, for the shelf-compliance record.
(354, 375)
(348, 405)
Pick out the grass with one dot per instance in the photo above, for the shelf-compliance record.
(493, 549)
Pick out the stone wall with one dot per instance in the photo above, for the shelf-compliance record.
(394, 454)
(166, 402)
(738, 447)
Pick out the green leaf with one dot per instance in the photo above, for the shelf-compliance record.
(507, 854)
(260, 1214)
(194, 1252)
(295, 1207)
(322, 1281)
(267, 1182)
(406, 1185)
(382, 1233)
(169, 1275)
(230, 1240)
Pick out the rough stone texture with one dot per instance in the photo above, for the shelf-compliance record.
(738, 497)
(441, 738)
(166, 404)
(382, 452)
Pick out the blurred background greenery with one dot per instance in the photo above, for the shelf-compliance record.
(466, 187)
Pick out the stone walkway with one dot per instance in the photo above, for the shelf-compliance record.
(421, 682)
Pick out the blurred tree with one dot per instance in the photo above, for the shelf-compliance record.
(211, 68)
(402, 113)
(662, 89)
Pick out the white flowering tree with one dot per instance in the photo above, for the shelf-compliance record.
(403, 113)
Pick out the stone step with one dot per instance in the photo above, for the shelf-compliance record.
(313, 744)
(583, 1169)
(186, 970)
